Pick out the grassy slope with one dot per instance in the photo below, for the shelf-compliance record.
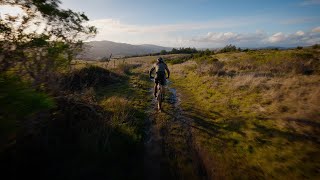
(250, 125)
(258, 123)
(127, 102)
(92, 133)
(175, 159)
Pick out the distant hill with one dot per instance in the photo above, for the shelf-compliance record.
(95, 50)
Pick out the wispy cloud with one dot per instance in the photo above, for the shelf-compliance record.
(299, 20)
(310, 2)
(169, 34)
(230, 37)
(261, 38)
(316, 29)
(178, 34)
(277, 37)
(298, 38)
(108, 25)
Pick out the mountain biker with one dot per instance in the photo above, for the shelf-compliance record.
(160, 66)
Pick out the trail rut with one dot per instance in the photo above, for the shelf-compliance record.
(170, 152)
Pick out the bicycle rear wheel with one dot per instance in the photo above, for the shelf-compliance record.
(159, 97)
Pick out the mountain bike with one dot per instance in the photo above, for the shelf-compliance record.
(160, 95)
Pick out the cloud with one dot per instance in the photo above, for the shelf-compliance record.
(299, 20)
(231, 37)
(316, 29)
(176, 35)
(300, 33)
(298, 38)
(310, 2)
(260, 38)
(115, 25)
(277, 37)
(184, 34)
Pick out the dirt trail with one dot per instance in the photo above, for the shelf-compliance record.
(169, 149)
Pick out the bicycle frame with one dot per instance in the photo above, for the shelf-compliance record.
(160, 96)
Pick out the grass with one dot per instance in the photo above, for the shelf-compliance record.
(18, 103)
(252, 126)
(272, 61)
(96, 130)
(243, 115)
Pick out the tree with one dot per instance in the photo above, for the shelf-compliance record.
(229, 48)
(174, 51)
(207, 52)
(42, 41)
(163, 52)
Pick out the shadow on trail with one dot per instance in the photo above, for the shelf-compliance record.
(290, 136)
(210, 131)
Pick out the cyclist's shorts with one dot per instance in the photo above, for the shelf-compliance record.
(160, 78)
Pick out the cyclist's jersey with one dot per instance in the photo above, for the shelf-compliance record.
(160, 72)
(160, 67)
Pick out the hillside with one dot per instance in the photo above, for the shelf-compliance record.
(97, 49)
(257, 110)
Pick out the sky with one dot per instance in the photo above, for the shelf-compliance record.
(203, 23)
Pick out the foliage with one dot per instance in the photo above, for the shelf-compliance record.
(92, 76)
(163, 52)
(18, 102)
(178, 60)
(42, 40)
(36, 46)
(316, 46)
(244, 119)
(124, 68)
(228, 48)
(183, 51)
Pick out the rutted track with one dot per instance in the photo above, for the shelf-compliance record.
(169, 149)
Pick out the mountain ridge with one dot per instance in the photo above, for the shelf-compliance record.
(95, 50)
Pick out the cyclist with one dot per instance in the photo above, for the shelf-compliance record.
(160, 66)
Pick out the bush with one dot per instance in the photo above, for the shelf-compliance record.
(175, 61)
(216, 68)
(316, 46)
(124, 68)
(206, 60)
(178, 60)
(92, 76)
(18, 102)
(228, 48)
(183, 51)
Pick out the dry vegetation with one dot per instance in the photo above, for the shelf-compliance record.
(258, 110)
(250, 115)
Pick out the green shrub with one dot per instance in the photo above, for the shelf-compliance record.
(316, 46)
(87, 77)
(228, 48)
(216, 68)
(176, 61)
(124, 68)
(18, 101)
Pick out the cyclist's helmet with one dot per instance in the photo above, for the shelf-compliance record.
(160, 59)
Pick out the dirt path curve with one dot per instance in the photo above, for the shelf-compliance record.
(169, 149)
